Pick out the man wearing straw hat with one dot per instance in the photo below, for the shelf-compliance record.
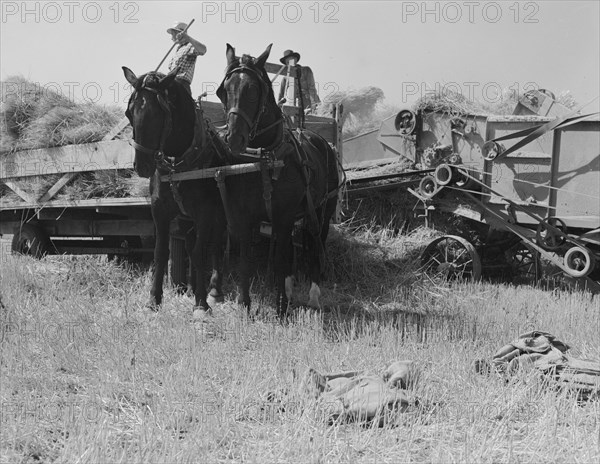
(185, 54)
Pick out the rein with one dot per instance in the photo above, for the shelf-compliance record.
(170, 163)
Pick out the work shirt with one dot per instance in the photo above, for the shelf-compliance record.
(185, 58)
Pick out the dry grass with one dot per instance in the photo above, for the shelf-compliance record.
(364, 109)
(37, 117)
(456, 103)
(89, 376)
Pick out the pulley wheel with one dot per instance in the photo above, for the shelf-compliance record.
(579, 261)
(551, 238)
(405, 122)
(491, 150)
(443, 174)
(428, 187)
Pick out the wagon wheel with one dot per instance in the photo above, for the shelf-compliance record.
(525, 263)
(551, 239)
(451, 257)
(30, 240)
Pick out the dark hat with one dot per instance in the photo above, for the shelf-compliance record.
(289, 54)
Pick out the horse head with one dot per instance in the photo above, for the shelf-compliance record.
(247, 96)
(162, 116)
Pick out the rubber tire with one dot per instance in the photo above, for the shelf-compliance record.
(30, 240)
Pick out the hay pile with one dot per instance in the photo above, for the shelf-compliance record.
(32, 116)
(451, 102)
(36, 117)
(448, 101)
(364, 109)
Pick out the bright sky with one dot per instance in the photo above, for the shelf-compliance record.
(405, 48)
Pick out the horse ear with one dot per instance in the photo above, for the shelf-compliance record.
(230, 54)
(168, 79)
(130, 76)
(262, 59)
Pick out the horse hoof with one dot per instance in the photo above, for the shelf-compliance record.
(216, 297)
(313, 296)
(152, 306)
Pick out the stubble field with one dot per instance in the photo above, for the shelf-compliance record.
(89, 376)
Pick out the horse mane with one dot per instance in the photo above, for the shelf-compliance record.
(153, 78)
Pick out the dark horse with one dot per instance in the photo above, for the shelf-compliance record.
(306, 187)
(170, 136)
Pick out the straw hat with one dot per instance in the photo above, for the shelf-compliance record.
(177, 27)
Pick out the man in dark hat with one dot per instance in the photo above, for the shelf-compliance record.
(306, 83)
(185, 54)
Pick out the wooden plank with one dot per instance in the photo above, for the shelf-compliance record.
(327, 132)
(98, 228)
(338, 115)
(122, 124)
(314, 119)
(64, 180)
(90, 250)
(24, 195)
(377, 188)
(273, 68)
(232, 170)
(114, 154)
(90, 203)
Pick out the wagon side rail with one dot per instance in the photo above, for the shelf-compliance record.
(68, 161)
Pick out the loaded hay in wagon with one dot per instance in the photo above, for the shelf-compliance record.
(66, 172)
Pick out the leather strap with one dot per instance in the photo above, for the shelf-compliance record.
(267, 187)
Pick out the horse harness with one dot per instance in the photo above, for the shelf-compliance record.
(272, 151)
(168, 163)
(265, 156)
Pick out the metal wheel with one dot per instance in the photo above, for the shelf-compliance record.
(30, 240)
(451, 257)
(525, 264)
(551, 239)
